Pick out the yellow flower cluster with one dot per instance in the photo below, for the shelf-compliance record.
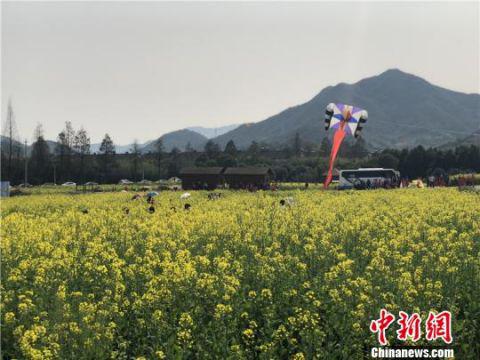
(238, 277)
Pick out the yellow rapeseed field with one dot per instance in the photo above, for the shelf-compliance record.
(234, 278)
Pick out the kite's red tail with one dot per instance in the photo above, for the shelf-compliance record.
(337, 141)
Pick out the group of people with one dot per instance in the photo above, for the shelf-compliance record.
(431, 181)
(214, 196)
(466, 180)
(385, 183)
(436, 181)
(151, 202)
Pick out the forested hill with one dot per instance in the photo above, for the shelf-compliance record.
(404, 111)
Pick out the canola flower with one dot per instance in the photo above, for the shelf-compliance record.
(237, 278)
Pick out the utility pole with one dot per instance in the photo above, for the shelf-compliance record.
(54, 174)
(26, 165)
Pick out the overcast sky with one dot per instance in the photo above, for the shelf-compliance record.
(138, 70)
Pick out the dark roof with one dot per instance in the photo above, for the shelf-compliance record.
(202, 171)
(247, 171)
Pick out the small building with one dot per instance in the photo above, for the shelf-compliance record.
(248, 177)
(196, 178)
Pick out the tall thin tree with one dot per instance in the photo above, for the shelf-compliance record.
(159, 150)
(135, 150)
(82, 149)
(107, 156)
(39, 157)
(11, 134)
(64, 150)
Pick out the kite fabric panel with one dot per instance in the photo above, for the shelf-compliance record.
(348, 115)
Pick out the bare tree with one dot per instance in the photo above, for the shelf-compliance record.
(81, 145)
(64, 149)
(11, 134)
(38, 132)
(69, 134)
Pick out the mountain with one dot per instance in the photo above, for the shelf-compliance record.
(51, 145)
(17, 146)
(119, 149)
(196, 136)
(213, 132)
(20, 147)
(472, 139)
(178, 139)
(404, 111)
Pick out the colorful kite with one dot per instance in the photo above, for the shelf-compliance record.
(345, 119)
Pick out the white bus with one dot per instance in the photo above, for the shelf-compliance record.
(364, 178)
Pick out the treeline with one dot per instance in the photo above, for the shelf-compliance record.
(297, 163)
(70, 159)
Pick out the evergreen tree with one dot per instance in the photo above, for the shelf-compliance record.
(174, 165)
(40, 158)
(201, 160)
(325, 147)
(159, 150)
(231, 149)
(107, 157)
(388, 161)
(212, 149)
(416, 162)
(61, 154)
(253, 152)
(474, 158)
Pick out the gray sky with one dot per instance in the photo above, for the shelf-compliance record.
(138, 70)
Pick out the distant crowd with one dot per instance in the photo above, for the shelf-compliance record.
(466, 180)
(386, 183)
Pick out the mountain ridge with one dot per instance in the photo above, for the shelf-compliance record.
(391, 94)
(210, 132)
(179, 139)
(405, 110)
